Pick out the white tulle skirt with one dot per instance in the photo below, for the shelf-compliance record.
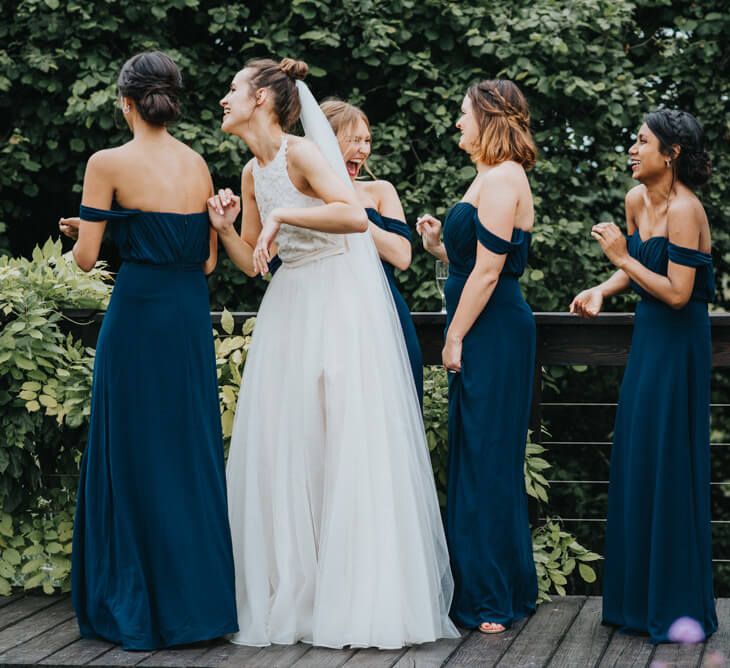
(336, 528)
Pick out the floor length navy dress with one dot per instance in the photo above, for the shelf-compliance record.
(152, 558)
(404, 314)
(487, 526)
(658, 537)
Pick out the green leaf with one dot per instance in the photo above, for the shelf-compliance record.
(587, 573)
(227, 322)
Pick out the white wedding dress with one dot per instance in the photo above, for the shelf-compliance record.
(337, 534)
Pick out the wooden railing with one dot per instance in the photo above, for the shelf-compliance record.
(562, 340)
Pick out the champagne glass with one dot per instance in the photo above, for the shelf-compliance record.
(442, 273)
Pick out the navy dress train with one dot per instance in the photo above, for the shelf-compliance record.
(658, 538)
(404, 314)
(152, 563)
(487, 526)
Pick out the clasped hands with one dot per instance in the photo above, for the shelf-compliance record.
(223, 209)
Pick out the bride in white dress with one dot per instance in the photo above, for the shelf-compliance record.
(336, 528)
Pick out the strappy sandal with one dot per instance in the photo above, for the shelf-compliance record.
(484, 627)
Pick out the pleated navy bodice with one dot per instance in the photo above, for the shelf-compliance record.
(146, 237)
(462, 230)
(656, 252)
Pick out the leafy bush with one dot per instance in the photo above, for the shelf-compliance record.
(589, 69)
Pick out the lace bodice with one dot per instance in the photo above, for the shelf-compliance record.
(273, 188)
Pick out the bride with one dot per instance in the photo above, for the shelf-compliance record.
(337, 534)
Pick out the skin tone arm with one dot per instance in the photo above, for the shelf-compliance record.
(430, 230)
(674, 289)
(223, 209)
(98, 193)
(498, 199)
(392, 247)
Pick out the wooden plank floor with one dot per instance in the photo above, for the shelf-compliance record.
(566, 633)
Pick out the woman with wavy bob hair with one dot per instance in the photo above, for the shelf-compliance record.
(658, 536)
(490, 356)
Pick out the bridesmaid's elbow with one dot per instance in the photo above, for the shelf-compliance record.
(678, 301)
(84, 262)
(402, 259)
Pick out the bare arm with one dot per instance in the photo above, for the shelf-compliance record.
(341, 212)
(98, 193)
(392, 247)
(498, 198)
(674, 289)
(224, 209)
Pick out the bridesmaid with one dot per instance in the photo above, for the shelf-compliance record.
(490, 356)
(658, 537)
(387, 220)
(152, 557)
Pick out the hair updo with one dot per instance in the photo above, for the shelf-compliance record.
(679, 128)
(154, 82)
(504, 123)
(281, 78)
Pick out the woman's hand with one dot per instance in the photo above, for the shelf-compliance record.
(588, 303)
(261, 254)
(223, 209)
(430, 230)
(451, 354)
(70, 227)
(612, 242)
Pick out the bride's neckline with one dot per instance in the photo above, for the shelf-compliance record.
(282, 147)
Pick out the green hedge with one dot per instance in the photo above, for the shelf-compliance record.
(589, 69)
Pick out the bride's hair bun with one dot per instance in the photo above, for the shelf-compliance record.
(296, 69)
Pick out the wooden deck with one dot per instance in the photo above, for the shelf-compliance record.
(42, 630)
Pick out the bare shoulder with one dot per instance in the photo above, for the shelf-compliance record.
(686, 209)
(107, 160)
(635, 197)
(300, 149)
(507, 173)
(380, 189)
(247, 174)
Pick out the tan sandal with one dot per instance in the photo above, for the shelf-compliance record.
(483, 627)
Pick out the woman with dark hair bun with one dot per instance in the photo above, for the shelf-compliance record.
(152, 556)
(658, 538)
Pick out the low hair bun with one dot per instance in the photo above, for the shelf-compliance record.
(696, 169)
(296, 69)
(154, 82)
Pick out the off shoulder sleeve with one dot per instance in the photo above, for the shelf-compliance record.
(93, 215)
(688, 257)
(492, 242)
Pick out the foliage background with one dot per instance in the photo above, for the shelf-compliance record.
(589, 69)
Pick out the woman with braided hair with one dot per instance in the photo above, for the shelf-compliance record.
(490, 356)
(658, 537)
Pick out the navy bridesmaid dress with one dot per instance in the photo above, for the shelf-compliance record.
(404, 314)
(487, 525)
(152, 562)
(658, 550)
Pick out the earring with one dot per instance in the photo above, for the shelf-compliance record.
(126, 109)
(668, 163)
